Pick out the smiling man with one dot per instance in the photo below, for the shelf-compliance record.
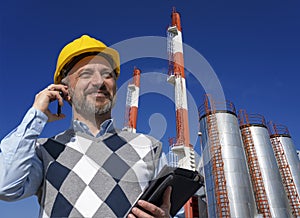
(91, 169)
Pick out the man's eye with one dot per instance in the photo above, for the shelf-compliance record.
(106, 74)
(85, 74)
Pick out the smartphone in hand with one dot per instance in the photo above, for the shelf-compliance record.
(58, 106)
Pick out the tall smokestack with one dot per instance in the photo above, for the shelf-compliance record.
(132, 102)
(182, 148)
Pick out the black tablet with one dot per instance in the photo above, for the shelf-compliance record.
(185, 184)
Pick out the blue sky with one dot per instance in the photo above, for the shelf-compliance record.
(253, 47)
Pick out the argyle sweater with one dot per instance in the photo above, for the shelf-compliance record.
(86, 176)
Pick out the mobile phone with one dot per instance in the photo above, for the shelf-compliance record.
(58, 112)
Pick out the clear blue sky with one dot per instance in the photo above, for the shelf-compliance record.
(253, 47)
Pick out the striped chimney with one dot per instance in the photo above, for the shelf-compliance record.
(132, 101)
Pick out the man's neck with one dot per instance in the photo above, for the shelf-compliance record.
(93, 122)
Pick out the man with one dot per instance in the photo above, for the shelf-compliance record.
(91, 169)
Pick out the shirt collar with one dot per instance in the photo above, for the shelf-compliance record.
(106, 126)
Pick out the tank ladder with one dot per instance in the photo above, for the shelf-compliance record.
(253, 165)
(286, 175)
(223, 208)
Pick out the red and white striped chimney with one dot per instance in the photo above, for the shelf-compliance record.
(132, 101)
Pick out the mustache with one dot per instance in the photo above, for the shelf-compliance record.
(102, 90)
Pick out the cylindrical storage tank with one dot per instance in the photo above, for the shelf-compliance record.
(288, 163)
(265, 177)
(236, 177)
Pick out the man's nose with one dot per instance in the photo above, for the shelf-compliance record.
(97, 79)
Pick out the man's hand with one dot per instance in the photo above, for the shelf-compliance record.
(46, 96)
(160, 212)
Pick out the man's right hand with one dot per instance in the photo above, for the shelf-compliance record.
(48, 95)
(156, 212)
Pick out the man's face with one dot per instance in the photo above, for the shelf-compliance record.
(92, 86)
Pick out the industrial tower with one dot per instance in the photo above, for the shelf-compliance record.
(271, 199)
(132, 101)
(288, 164)
(182, 147)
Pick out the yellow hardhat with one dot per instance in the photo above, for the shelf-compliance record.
(84, 44)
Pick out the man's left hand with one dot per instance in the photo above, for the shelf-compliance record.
(154, 211)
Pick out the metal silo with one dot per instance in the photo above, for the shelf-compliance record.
(288, 164)
(270, 196)
(227, 181)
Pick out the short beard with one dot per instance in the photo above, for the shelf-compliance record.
(83, 106)
(103, 110)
